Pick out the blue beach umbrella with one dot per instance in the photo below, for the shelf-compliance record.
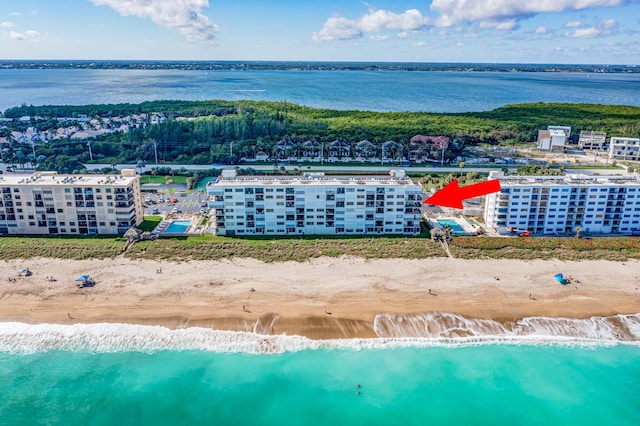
(82, 278)
(24, 270)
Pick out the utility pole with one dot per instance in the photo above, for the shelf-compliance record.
(90, 154)
(442, 159)
(33, 147)
(231, 151)
(155, 150)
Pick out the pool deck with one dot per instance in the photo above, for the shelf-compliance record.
(192, 229)
(467, 227)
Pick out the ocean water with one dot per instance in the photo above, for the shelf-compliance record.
(343, 90)
(105, 374)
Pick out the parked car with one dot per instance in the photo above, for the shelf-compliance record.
(204, 211)
(204, 204)
(174, 200)
(155, 211)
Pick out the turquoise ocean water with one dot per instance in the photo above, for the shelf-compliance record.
(92, 375)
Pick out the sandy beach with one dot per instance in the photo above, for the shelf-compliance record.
(322, 298)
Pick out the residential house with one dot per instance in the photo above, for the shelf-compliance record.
(392, 150)
(423, 148)
(365, 151)
(339, 150)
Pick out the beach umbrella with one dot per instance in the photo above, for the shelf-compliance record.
(82, 278)
(24, 270)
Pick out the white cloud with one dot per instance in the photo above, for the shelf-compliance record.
(604, 28)
(419, 44)
(340, 28)
(14, 14)
(584, 33)
(453, 11)
(27, 35)
(379, 37)
(573, 24)
(505, 25)
(184, 16)
(7, 24)
(541, 30)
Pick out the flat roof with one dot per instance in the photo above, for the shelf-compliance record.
(313, 180)
(566, 180)
(54, 179)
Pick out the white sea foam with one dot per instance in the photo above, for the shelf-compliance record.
(20, 338)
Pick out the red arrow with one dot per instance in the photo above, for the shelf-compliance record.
(452, 195)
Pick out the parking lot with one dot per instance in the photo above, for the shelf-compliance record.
(178, 202)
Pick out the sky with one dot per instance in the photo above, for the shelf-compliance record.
(494, 31)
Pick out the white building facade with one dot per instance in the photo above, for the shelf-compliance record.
(549, 205)
(551, 140)
(315, 204)
(46, 203)
(624, 148)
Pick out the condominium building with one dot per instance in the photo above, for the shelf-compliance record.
(590, 139)
(562, 204)
(624, 148)
(315, 204)
(49, 203)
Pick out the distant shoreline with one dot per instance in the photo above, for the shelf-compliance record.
(40, 64)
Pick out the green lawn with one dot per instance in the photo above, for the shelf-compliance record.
(162, 179)
(149, 223)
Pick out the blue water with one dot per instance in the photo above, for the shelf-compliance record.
(452, 223)
(479, 385)
(178, 226)
(362, 90)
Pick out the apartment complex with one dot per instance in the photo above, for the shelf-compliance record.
(624, 148)
(315, 204)
(590, 139)
(49, 203)
(562, 204)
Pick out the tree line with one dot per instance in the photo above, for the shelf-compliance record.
(206, 132)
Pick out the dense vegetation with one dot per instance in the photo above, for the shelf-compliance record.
(303, 249)
(227, 131)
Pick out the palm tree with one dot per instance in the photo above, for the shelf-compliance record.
(461, 165)
(578, 231)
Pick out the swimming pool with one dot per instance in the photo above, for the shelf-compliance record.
(178, 227)
(455, 226)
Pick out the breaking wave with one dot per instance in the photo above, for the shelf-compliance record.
(437, 329)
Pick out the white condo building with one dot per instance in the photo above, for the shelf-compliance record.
(49, 203)
(315, 204)
(624, 148)
(561, 204)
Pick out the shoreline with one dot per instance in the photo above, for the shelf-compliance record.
(290, 298)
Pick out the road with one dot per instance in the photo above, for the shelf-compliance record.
(339, 168)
